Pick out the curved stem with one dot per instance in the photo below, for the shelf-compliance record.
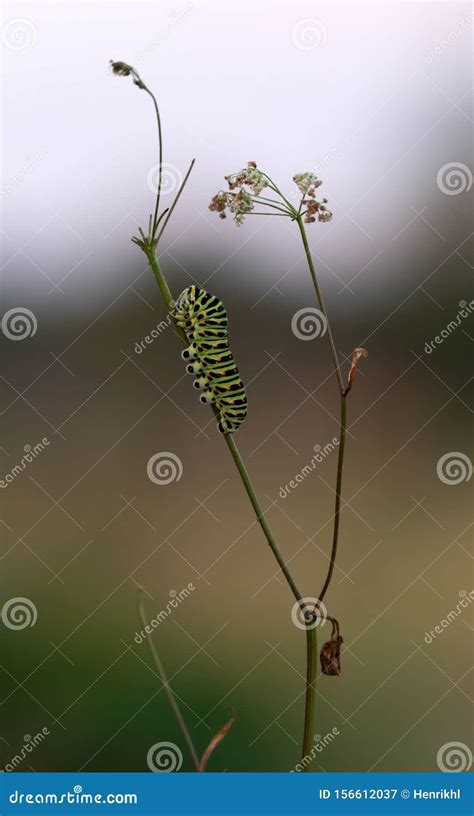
(319, 295)
(311, 669)
(337, 509)
(160, 165)
(169, 693)
(343, 419)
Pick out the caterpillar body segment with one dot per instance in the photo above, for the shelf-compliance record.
(203, 318)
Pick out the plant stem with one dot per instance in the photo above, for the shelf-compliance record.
(337, 508)
(232, 446)
(178, 195)
(343, 408)
(250, 490)
(167, 688)
(319, 295)
(260, 514)
(311, 666)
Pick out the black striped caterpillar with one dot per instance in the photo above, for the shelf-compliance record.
(204, 320)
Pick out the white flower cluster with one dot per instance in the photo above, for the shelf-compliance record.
(250, 177)
(307, 184)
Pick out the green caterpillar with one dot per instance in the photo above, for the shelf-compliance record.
(204, 320)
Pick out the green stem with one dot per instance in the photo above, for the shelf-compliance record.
(232, 446)
(250, 490)
(178, 195)
(244, 475)
(343, 419)
(311, 668)
(337, 508)
(168, 690)
(319, 295)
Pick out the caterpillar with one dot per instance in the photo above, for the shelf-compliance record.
(204, 320)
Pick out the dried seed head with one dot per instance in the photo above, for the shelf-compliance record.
(120, 68)
(330, 656)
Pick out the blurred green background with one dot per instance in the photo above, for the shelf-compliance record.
(83, 527)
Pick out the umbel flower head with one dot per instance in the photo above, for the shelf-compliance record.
(245, 190)
(307, 184)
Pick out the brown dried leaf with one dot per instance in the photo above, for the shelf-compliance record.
(356, 356)
(215, 742)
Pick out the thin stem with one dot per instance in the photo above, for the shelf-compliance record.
(337, 509)
(311, 668)
(231, 444)
(343, 419)
(310, 693)
(319, 295)
(167, 688)
(260, 514)
(160, 278)
(279, 192)
(160, 165)
(178, 194)
(278, 214)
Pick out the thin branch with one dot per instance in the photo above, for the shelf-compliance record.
(178, 194)
(169, 693)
